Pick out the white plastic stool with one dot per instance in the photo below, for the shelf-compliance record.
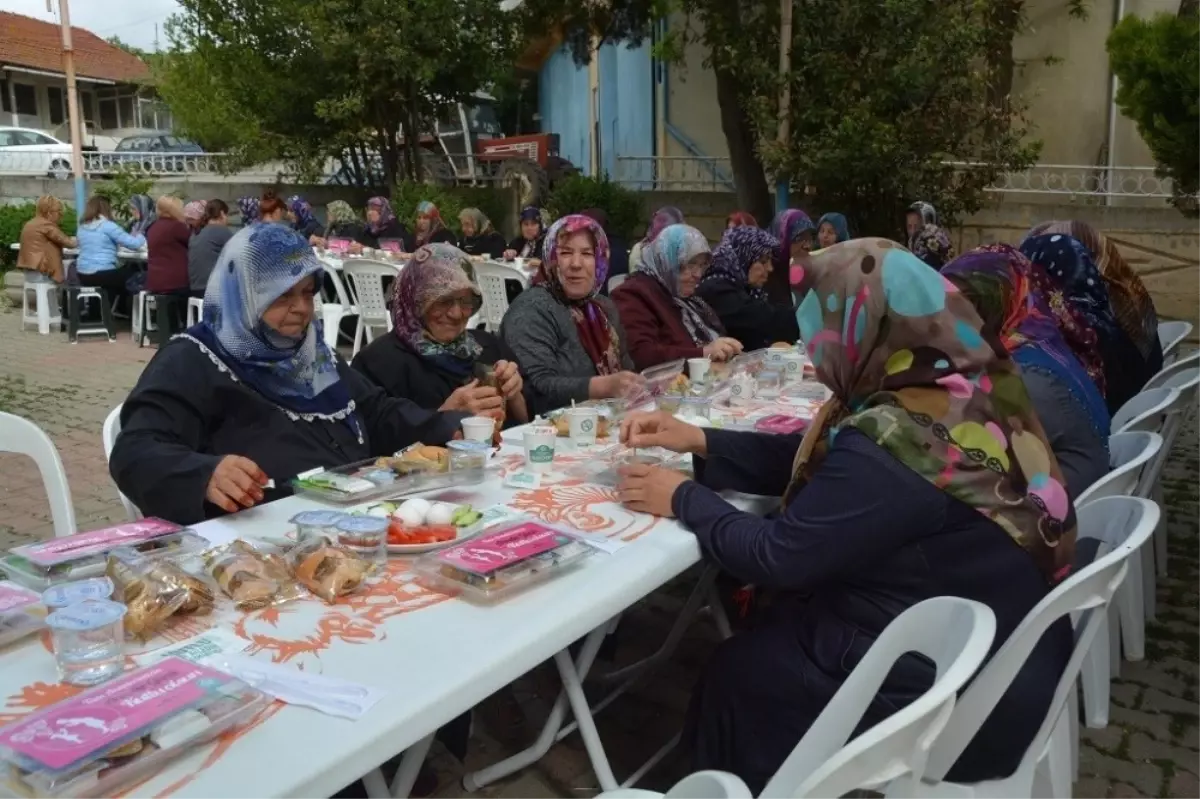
(195, 310)
(45, 293)
(142, 323)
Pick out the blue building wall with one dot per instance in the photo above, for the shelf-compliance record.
(563, 106)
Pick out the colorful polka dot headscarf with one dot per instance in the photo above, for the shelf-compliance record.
(902, 351)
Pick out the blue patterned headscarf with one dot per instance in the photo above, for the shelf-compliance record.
(258, 265)
(303, 211)
(838, 223)
(663, 259)
(248, 207)
(740, 247)
(147, 214)
(1071, 269)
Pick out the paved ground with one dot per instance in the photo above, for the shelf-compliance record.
(1149, 749)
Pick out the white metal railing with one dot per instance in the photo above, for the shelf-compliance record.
(55, 162)
(674, 173)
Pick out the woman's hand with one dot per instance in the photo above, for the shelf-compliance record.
(316, 241)
(508, 377)
(723, 349)
(356, 248)
(509, 255)
(236, 483)
(659, 429)
(649, 489)
(475, 399)
(618, 386)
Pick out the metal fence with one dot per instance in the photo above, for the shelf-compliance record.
(674, 173)
(56, 163)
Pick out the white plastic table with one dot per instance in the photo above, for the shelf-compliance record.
(73, 252)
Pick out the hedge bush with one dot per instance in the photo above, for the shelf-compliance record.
(14, 217)
(626, 214)
(496, 204)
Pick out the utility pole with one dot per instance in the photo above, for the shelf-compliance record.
(783, 181)
(68, 57)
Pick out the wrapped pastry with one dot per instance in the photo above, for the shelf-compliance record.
(328, 570)
(252, 578)
(150, 599)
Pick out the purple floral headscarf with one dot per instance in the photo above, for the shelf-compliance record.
(740, 247)
(386, 214)
(591, 322)
(663, 218)
(303, 211)
(932, 245)
(436, 271)
(248, 208)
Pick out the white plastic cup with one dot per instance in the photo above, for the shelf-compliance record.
(539, 448)
(775, 356)
(479, 428)
(698, 369)
(741, 389)
(582, 426)
(793, 367)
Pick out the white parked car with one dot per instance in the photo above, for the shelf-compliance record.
(24, 151)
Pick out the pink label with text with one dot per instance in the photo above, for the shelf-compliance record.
(337, 245)
(503, 548)
(781, 425)
(87, 724)
(14, 597)
(390, 245)
(73, 547)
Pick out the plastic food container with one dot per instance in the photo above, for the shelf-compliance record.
(89, 641)
(769, 383)
(506, 560)
(669, 403)
(696, 407)
(102, 740)
(66, 594)
(466, 456)
(21, 612)
(364, 535)
(375, 479)
(658, 381)
(314, 524)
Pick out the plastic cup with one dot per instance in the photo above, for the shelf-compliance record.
(769, 384)
(539, 448)
(64, 595)
(741, 389)
(582, 426)
(698, 369)
(775, 357)
(365, 535)
(89, 641)
(314, 524)
(479, 428)
(793, 367)
(696, 408)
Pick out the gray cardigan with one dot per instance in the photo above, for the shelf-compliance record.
(1080, 449)
(540, 333)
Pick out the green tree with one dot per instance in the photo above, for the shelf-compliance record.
(1157, 64)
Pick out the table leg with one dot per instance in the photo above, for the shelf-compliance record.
(376, 785)
(406, 775)
(573, 685)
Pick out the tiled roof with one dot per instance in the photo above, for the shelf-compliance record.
(34, 44)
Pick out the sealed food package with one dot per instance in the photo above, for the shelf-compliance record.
(666, 378)
(508, 559)
(251, 577)
(21, 612)
(329, 570)
(420, 467)
(155, 590)
(99, 741)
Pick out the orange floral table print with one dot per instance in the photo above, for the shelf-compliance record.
(576, 503)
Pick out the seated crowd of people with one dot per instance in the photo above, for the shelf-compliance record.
(1021, 353)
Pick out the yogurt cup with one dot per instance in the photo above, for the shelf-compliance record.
(67, 594)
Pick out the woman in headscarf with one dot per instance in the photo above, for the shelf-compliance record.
(193, 214)
(1130, 300)
(141, 207)
(430, 227)
(1076, 281)
(479, 237)
(663, 218)
(253, 394)
(735, 288)
(886, 502)
(796, 233)
(832, 229)
(341, 223)
(432, 358)
(740, 219)
(568, 339)
(528, 244)
(248, 208)
(919, 215)
(664, 319)
(1018, 322)
(932, 245)
(303, 221)
(384, 226)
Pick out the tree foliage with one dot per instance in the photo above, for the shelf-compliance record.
(1157, 64)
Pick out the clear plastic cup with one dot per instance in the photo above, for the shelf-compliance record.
(314, 524)
(64, 595)
(364, 535)
(769, 384)
(89, 641)
(696, 408)
(468, 455)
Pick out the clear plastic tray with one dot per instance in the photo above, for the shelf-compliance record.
(658, 381)
(90, 560)
(21, 612)
(373, 479)
(511, 558)
(94, 743)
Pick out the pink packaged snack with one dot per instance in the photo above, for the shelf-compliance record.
(72, 547)
(780, 425)
(338, 245)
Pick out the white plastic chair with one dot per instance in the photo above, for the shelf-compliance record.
(1145, 412)
(366, 280)
(331, 322)
(1171, 335)
(108, 435)
(45, 293)
(1168, 372)
(490, 277)
(23, 437)
(1186, 382)
(701, 785)
(142, 323)
(1120, 525)
(341, 293)
(195, 311)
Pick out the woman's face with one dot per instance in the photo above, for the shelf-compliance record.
(802, 244)
(760, 270)
(530, 229)
(577, 264)
(447, 317)
(912, 223)
(826, 235)
(422, 224)
(691, 273)
(292, 313)
(291, 215)
(137, 214)
(468, 225)
(373, 215)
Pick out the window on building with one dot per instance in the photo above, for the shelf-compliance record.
(58, 104)
(87, 101)
(108, 114)
(125, 104)
(26, 99)
(5, 100)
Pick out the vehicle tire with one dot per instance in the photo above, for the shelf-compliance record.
(59, 169)
(436, 170)
(559, 169)
(531, 181)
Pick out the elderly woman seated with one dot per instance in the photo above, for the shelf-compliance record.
(567, 339)
(735, 287)
(431, 358)
(42, 241)
(252, 394)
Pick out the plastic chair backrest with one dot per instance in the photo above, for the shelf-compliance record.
(366, 278)
(956, 635)
(1145, 411)
(339, 288)
(1160, 379)
(490, 278)
(23, 437)
(108, 435)
(1122, 525)
(1171, 335)
(709, 785)
(1128, 454)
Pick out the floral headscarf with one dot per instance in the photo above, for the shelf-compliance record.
(839, 224)
(790, 225)
(1072, 271)
(740, 219)
(663, 259)
(435, 272)
(998, 284)
(300, 376)
(303, 211)
(430, 212)
(147, 214)
(902, 350)
(248, 208)
(193, 212)
(663, 218)
(596, 333)
(483, 225)
(1130, 300)
(932, 245)
(339, 212)
(739, 249)
(386, 215)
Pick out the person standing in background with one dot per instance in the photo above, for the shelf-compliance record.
(205, 246)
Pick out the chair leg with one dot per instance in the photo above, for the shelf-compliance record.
(1149, 581)
(1160, 535)
(73, 316)
(1057, 762)
(1073, 723)
(1094, 677)
(359, 332)
(1129, 609)
(106, 316)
